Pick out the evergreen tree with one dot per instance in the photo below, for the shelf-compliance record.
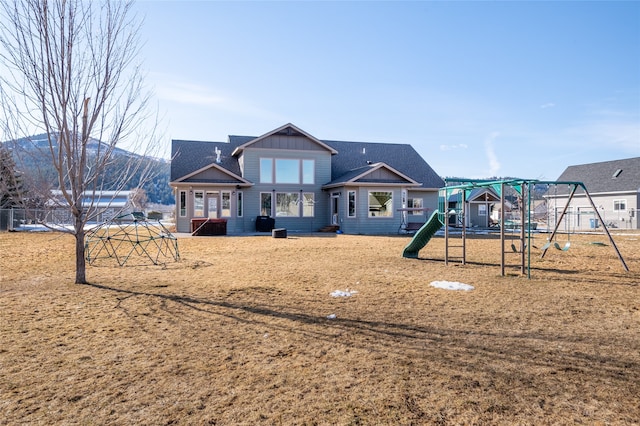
(11, 193)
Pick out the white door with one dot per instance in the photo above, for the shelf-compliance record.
(335, 200)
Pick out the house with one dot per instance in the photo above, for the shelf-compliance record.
(614, 187)
(288, 178)
(100, 206)
(482, 208)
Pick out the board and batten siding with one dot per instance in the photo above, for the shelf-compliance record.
(282, 142)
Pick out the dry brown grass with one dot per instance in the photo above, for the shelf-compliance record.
(237, 333)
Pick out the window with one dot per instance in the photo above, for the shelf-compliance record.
(239, 203)
(183, 203)
(287, 204)
(308, 203)
(351, 200)
(266, 170)
(198, 204)
(265, 204)
(619, 205)
(415, 203)
(226, 204)
(380, 204)
(482, 209)
(285, 170)
(308, 171)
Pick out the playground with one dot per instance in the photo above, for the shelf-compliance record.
(453, 212)
(321, 329)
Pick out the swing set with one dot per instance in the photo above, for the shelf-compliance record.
(567, 224)
(524, 190)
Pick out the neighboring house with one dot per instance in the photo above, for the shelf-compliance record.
(101, 206)
(614, 187)
(482, 207)
(301, 183)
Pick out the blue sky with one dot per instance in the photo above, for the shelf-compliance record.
(478, 88)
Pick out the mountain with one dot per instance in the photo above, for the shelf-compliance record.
(32, 158)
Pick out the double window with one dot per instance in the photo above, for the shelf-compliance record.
(288, 204)
(286, 170)
(619, 205)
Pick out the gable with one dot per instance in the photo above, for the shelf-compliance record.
(482, 194)
(382, 175)
(300, 143)
(285, 137)
(212, 174)
(379, 173)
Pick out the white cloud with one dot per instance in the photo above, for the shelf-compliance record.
(453, 147)
(547, 105)
(489, 149)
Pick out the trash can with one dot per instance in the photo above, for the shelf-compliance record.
(265, 224)
(593, 223)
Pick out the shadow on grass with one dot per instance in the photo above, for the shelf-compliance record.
(471, 350)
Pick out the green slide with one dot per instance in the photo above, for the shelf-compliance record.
(422, 237)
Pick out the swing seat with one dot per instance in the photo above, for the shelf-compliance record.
(546, 246)
(565, 248)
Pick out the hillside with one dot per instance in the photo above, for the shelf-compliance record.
(32, 159)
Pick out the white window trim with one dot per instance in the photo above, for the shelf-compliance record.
(273, 172)
(180, 206)
(222, 196)
(195, 193)
(239, 204)
(270, 212)
(370, 216)
(297, 203)
(313, 202)
(355, 204)
(618, 202)
(274, 175)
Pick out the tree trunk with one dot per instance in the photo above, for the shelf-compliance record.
(80, 259)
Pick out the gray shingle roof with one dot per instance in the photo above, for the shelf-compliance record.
(606, 176)
(189, 156)
(352, 159)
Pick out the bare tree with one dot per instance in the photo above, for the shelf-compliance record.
(68, 69)
(139, 199)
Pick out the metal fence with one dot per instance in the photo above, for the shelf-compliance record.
(17, 219)
(13, 219)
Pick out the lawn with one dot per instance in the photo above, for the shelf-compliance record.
(246, 331)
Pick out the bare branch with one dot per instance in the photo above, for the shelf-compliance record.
(69, 70)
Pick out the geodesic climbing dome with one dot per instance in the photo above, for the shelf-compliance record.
(131, 236)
